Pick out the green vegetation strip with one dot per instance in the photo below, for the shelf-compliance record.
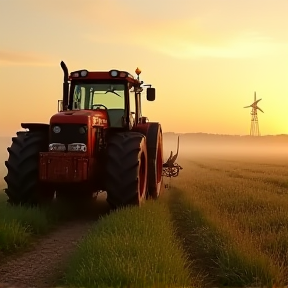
(132, 247)
(19, 224)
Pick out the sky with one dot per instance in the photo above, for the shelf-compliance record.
(205, 58)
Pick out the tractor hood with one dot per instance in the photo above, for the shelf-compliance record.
(88, 117)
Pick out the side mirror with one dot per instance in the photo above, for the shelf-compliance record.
(60, 105)
(150, 94)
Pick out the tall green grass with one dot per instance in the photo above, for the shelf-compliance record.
(132, 247)
(3, 198)
(19, 224)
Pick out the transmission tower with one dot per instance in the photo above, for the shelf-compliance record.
(254, 128)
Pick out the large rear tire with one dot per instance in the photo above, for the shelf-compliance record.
(126, 169)
(155, 160)
(22, 179)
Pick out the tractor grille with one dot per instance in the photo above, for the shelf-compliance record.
(70, 133)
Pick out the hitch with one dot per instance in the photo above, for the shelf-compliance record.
(170, 167)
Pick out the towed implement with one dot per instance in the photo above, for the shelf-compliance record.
(170, 167)
(98, 141)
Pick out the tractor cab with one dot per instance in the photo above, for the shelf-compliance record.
(110, 98)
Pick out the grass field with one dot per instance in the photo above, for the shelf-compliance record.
(236, 212)
(229, 215)
(131, 247)
(224, 221)
(19, 224)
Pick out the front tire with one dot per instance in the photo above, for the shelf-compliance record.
(22, 179)
(126, 169)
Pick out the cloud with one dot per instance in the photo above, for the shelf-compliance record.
(19, 58)
(202, 35)
(234, 47)
(191, 39)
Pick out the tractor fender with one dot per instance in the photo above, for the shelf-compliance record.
(33, 127)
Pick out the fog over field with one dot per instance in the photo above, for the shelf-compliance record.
(195, 145)
(4, 143)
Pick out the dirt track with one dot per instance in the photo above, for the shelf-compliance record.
(43, 264)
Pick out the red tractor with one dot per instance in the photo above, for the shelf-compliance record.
(98, 141)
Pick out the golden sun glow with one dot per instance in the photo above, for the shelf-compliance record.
(205, 58)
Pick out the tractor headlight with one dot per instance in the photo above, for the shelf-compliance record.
(123, 74)
(56, 129)
(77, 147)
(80, 73)
(57, 147)
(83, 129)
(114, 73)
(84, 73)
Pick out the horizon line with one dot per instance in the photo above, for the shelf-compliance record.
(185, 133)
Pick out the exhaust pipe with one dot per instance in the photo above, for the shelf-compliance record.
(65, 86)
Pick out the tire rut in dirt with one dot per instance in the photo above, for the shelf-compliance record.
(42, 265)
(204, 270)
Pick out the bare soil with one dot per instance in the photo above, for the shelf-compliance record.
(43, 264)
